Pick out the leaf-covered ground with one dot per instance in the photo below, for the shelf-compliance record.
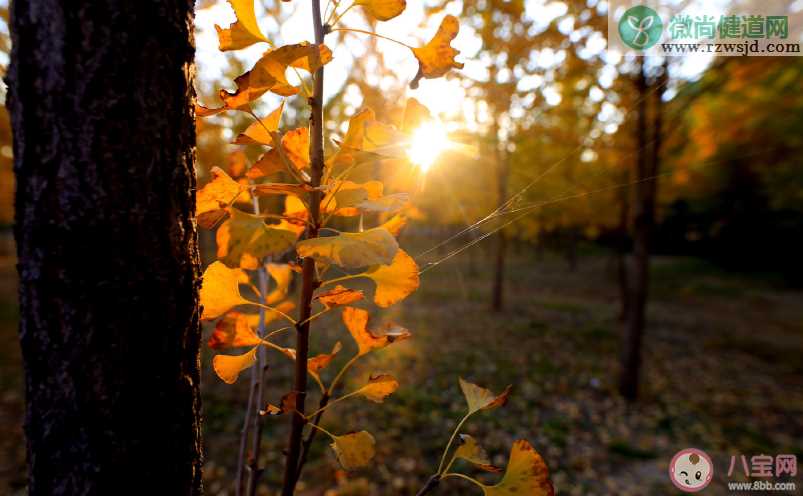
(722, 373)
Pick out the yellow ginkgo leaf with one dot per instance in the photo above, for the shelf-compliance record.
(526, 473)
(339, 296)
(482, 399)
(233, 331)
(351, 250)
(282, 274)
(436, 58)
(212, 200)
(383, 10)
(395, 225)
(379, 387)
(396, 281)
(342, 196)
(388, 203)
(415, 114)
(259, 132)
(267, 189)
(286, 405)
(220, 290)
(244, 239)
(228, 367)
(243, 33)
(354, 139)
(356, 320)
(472, 452)
(354, 450)
(295, 146)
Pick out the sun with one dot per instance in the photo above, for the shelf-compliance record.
(426, 144)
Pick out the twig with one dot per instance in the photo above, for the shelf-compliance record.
(431, 484)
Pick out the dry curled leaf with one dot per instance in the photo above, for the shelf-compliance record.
(351, 250)
(383, 10)
(356, 320)
(220, 290)
(339, 296)
(354, 450)
(472, 452)
(244, 239)
(286, 405)
(213, 199)
(320, 362)
(233, 331)
(244, 32)
(436, 58)
(228, 367)
(526, 473)
(482, 399)
(379, 387)
(394, 282)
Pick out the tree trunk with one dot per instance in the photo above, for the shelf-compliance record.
(502, 172)
(647, 168)
(100, 94)
(622, 276)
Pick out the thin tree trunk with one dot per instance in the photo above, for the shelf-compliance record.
(622, 275)
(100, 94)
(309, 281)
(502, 172)
(643, 219)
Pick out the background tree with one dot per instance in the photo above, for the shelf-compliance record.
(100, 98)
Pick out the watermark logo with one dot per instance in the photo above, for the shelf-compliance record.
(640, 27)
(691, 470)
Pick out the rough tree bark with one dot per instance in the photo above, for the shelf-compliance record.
(647, 167)
(100, 94)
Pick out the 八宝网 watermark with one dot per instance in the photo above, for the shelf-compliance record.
(691, 470)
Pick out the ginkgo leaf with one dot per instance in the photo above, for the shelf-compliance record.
(354, 139)
(395, 225)
(383, 10)
(220, 290)
(295, 146)
(415, 114)
(472, 452)
(339, 296)
(267, 189)
(354, 450)
(282, 274)
(259, 131)
(286, 405)
(436, 58)
(228, 367)
(482, 399)
(396, 281)
(356, 320)
(378, 388)
(243, 33)
(296, 214)
(244, 239)
(526, 473)
(388, 203)
(268, 163)
(312, 63)
(237, 164)
(233, 331)
(344, 195)
(268, 74)
(351, 250)
(213, 199)
(320, 362)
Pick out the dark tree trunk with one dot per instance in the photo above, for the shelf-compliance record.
(622, 245)
(100, 94)
(647, 167)
(502, 173)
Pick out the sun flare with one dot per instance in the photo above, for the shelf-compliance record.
(427, 143)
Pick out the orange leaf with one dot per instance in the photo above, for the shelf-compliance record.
(320, 362)
(526, 473)
(266, 189)
(259, 131)
(233, 331)
(243, 33)
(295, 145)
(228, 367)
(482, 399)
(356, 320)
(212, 200)
(472, 452)
(379, 387)
(351, 250)
(244, 240)
(282, 274)
(383, 10)
(339, 296)
(220, 290)
(437, 57)
(396, 281)
(354, 450)
(395, 224)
